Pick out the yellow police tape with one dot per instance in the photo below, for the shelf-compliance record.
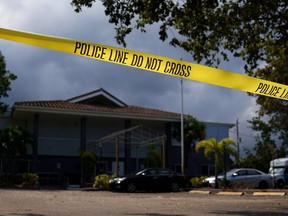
(150, 62)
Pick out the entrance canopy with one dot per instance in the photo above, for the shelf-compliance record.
(128, 144)
(137, 136)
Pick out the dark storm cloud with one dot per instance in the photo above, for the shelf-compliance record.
(48, 75)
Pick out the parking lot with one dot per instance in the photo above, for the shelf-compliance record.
(78, 202)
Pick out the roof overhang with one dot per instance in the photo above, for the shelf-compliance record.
(19, 111)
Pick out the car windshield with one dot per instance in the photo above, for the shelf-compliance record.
(276, 170)
(137, 172)
(145, 172)
(231, 172)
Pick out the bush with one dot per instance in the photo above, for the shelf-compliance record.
(102, 181)
(196, 182)
(30, 179)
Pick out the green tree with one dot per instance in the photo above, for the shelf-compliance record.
(221, 151)
(15, 141)
(14, 144)
(263, 152)
(5, 80)
(193, 132)
(207, 28)
(88, 162)
(215, 31)
(153, 158)
(271, 127)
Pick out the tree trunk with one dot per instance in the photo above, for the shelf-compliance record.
(216, 174)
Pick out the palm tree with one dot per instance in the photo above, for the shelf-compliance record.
(221, 149)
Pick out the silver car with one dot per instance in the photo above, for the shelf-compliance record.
(242, 178)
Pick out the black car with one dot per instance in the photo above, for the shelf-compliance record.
(152, 179)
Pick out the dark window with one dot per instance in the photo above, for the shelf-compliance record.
(253, 172)
(207, 170)
(150, 172)
(241, 172)
(165, 172)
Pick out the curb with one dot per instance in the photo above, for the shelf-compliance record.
(230, 193)
(199, 192)
(241, 193)
(269, 193)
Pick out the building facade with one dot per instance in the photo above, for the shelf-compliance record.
(97, 121)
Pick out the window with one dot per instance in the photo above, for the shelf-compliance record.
(241, 173)
(165, 172)
(150, 172)
(253, 172)
(207, 170)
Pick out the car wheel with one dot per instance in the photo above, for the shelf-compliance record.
(263, 185)
(175, 187)
(280, 184)
(131, 187)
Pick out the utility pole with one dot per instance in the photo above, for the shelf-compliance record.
(117, 156)
(182, 130)
(237, 141)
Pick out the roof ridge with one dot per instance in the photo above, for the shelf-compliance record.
(85, 94)
(97, 93)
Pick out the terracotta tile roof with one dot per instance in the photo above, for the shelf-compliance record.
(65, 105)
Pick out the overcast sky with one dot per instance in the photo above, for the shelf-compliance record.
(49, 75)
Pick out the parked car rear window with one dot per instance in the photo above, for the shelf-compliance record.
(253, 172)
(241, 172)
(165, 172)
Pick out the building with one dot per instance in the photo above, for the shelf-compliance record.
(100, 122)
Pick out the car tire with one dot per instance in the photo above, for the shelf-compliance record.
(174, 187)
(263, 185)
(131, 187)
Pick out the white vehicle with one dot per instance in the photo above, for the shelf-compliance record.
(279, 172)
(242, 177)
